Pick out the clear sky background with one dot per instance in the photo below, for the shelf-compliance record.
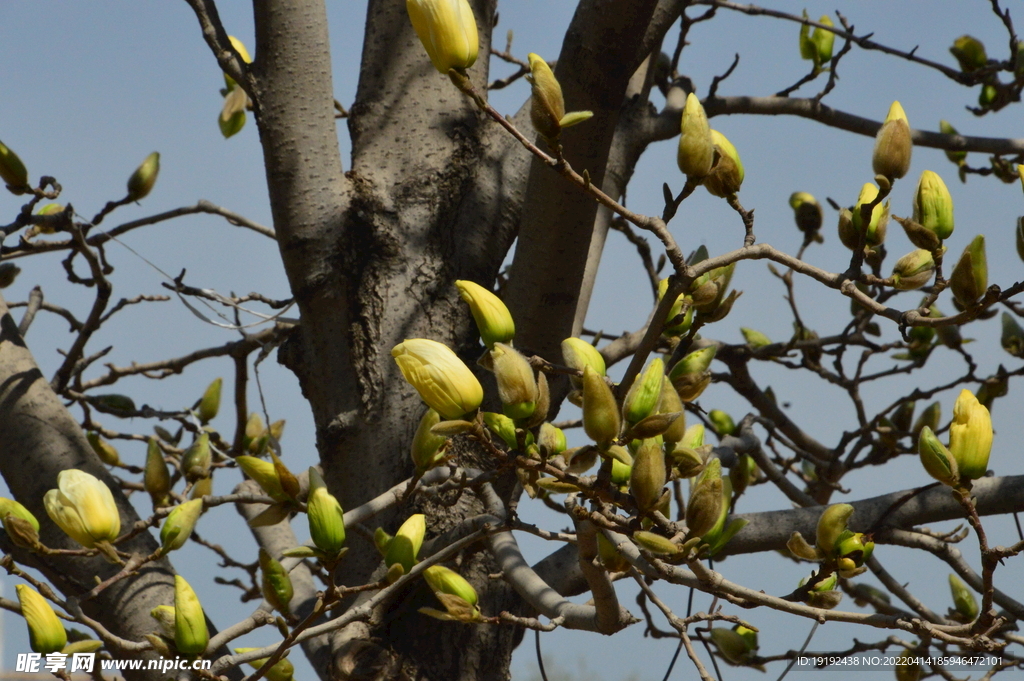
(89, 89)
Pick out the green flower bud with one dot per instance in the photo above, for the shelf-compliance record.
(552, 439)
(443, 380)
(265, 475)
(903, 416)
(447, 30)
(957, 157)
(987, 95)
(683, 306)
(283, 669)
(893, 146)
(645, 393)
(970, 436)
(930, 416)
(876, 228)
(326, 519)
(202, 488)
(156, 478)
(548, 106)
(938, 462)
(933, 205)
(601, 419)
(705, 504)
(445, 581)
(209, 404)
(696, 147)
(655, 543)
(10, 507)
(578, 354)
(426, 449)
(913, 270)
(970, 276)
(755, 339)
(970, 52)
(848, 233)
(622, 464)
(48, 209)
(648, 476)
(831, 525)
(12, 171)
(723, 423)
(493, 320)
(196, 460)
(275, 583)
(404, 547)
(854, 546)
(693, 437)
(190, 633)
(963, 600)
(517, 388)
(179, 524)
(691, 375)
(807, 212)
(104, 450)
(727, 174)
(45, 632)
(687, 461)
(671, 404)
(502, 426)
(1012, 339)
(83, 507)
(140, 184)
(612, 560)
(733, 647)
(823, 41)
(112, 403)
(906, 668)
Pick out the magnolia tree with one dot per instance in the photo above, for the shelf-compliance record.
(435, 379)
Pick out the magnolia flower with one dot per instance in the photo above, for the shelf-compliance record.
(447, 29)
(442, 379)
(83, 507)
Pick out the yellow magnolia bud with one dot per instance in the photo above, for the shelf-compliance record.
(209, 404)
(577, 354)
(645, 393)
(326, 519)
(190, 633)
(854, 546)
(671, 404)
(447, 29)
(970, 52)
(443, 380)
(970, 276)
(963, 600)
(933, 205)
(10, 507)
(283, 669)
(104, 450)
(696, 147)
(913, 270)
(196, 460)
(426, 449)
(275, 583)
(83, 507)
(45, 632)
(140, 184)
(727, 174)
(893, 146)
(404, 547)
(691, 375)
(548, 107)
(807, 212)
(156, 478)
(648, 476)
(655, 543)
(164, 616)
(493, 320)
(831, 525)
(243, 53)
(445, 581)
(970, 436)
(938, 462)
(179, 525)
(705, 503)
(601, 419)
(876, 227)
(754, 338)
(12, 171)
(265, 475)
(683, 306)
(517, 388)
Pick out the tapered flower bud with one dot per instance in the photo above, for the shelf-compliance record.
(727, 174)
(265, 475)
(404, 547)
(45, 632)
(209, 404)
(426, 447)
(823, 41)
(140, 184)
(517, 388)
(963, 600)
(930, 416)
(754, 338)
(831, 525)
(970, 276)
(12, 171)
(696, 147)
(283, 669)
(104, 450)
(705, 504)
(904, 416)
(326, 519)
(202, 488)
(10, 507)
(970, 52)
(723, 423)
(913, 270)
(443, 380)
(733, 647)
(691, 375)
(548, 106)
(938, 462)
(893, 146)
(648, 476)
(503, 427)
(720, 533)
(443, 580)
(447, 29)
(239, 46)
(601, 419)
(807, 212)
(970, 436)
(645, 393)
(493, 320)
(957, 157)
(671, 404)
(20, 532)
(196, 460)
(83, 507)
(190, 633)
(874, 231)
(179, 524)
(1012, 338)
(275, 583)
(933, 205)
(681, 311)
(655, 543)
(688, 462)
(578, 354)
(552, 439)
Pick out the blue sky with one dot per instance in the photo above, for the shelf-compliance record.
(89, 89)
